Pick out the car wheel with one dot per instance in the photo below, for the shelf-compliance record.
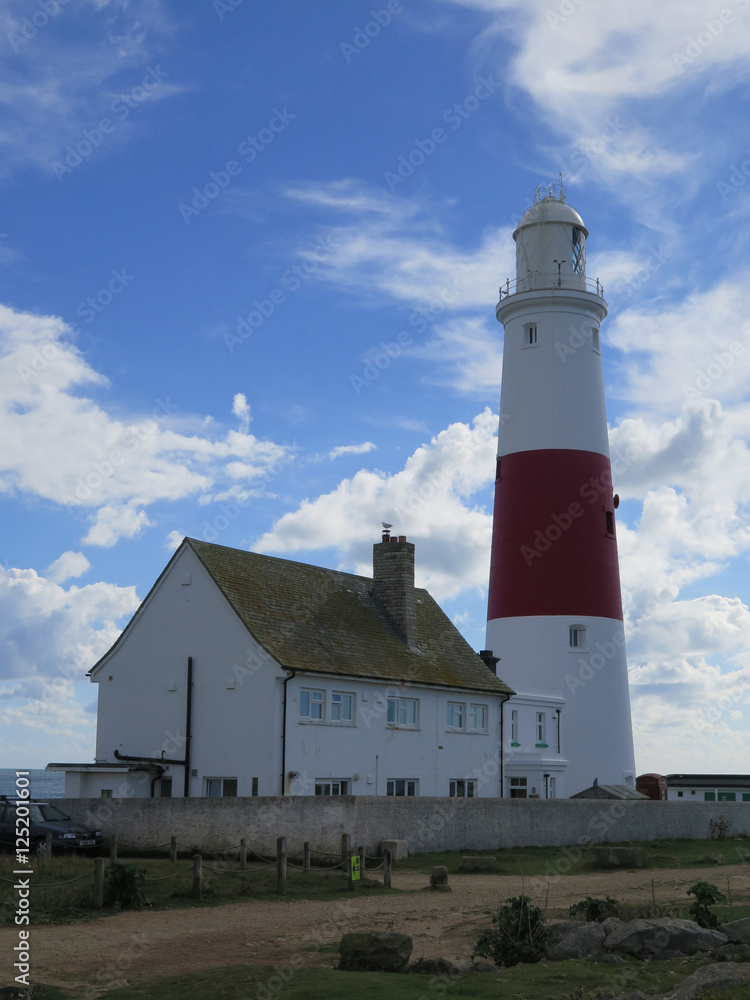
(40, 848)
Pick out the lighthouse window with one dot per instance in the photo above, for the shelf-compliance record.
(530, 335)
(610, 519)
(579, 255)
(577, 637)
(595, 338)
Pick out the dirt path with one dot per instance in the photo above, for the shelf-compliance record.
(135, 947)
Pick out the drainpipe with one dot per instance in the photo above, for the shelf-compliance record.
(293, 673)
(502, 745)
(558, 710)
(188, 725)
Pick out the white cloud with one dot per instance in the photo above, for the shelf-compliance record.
(60, 445)
(431, 500)
(351, 449)
(69, 565)
(173, 540)
(241, 409)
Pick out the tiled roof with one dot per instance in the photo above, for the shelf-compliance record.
(324, 621)
(609, 792)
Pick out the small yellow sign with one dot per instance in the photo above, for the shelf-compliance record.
(355, 867)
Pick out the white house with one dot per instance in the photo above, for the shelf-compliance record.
(243, 674)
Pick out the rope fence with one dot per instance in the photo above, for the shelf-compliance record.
(354, 864)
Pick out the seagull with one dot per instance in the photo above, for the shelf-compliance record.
(386, 525)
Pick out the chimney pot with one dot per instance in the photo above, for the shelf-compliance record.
(402, 538)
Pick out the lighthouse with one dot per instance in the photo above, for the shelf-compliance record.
(554, 605)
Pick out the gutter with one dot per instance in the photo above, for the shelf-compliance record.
(283, 729)
(188, 726)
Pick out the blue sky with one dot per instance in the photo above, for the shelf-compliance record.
(248, 269)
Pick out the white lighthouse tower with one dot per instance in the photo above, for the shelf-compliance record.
(555, 610)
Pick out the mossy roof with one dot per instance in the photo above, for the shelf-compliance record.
(328, 622)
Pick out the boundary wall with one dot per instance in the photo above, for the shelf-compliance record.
(426, 824)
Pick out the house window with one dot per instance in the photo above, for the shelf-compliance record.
(518, 789)
(255, 787)
(401, 786)
(462, 788)
(325, 786)
(514, 728)
(530, 335)
(455, 718)
(402, 712)
(165, 788)
(541, 729)
(577, 637)
(477, 718)
(680, 795)
(217, 788)
(342, 707)
(311, 705)
(106, 793)
(595, 339)
(609, 518)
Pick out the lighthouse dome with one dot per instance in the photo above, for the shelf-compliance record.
(550, 209)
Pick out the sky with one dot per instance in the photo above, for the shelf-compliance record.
(249, 261)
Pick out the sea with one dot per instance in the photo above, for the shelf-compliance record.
(42, 784)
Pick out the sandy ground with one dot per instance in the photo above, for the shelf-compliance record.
(139, 946)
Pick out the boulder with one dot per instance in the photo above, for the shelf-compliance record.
(620, 857)
(482, 967)
(478, 864)
(435, 967)
(738, 931)
(374, 951)
(663, 937)
(732, 953)
(713, 977)
(580, 941)
(560, 929)
(611, 924)
(439, 879)
(398, 849)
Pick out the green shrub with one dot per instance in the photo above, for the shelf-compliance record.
(125, 885)
(705, 895)
(519, 934)
(594, 909)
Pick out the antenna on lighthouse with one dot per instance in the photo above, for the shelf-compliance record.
(559, 265)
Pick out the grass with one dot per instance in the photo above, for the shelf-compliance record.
(579, 980)
(74, 901)
(532, 861)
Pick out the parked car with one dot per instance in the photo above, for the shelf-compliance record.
(43, 818)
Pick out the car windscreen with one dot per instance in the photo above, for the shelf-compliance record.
(52, 814)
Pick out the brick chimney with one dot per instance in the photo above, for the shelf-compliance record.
(393, 584)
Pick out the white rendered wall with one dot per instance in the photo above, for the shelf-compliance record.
(590, 683)
(236, 689)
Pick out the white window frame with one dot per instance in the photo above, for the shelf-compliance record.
(531, 335)
(335, 786)
(410, 787)
(338, 702)
(221, 794)
(541, 729)
(520, 783)
(577, 637)
(316, 697)
(455, 716)
(400, 709)
(462, 788)
(473, 724)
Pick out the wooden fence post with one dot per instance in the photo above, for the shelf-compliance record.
(281, 866)
(243, 853)
(346, 845)
(113, 849)
(361, 853)
(48, 846)
(197, 876)
(387, 869)
(98, 883)
(173, 850)
(306, 856)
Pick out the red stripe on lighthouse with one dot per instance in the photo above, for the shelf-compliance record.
(553, 546)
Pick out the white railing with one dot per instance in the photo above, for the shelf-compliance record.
(549, 280)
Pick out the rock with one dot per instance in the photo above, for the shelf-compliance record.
(611, 924)
(716, 977)
(712, 859)
(374, 951)
(439, 875)
(621, 857)
(738, 931)
(663, 937)
(478, 864)
(560, 929)
(732, 953)
(482, 967)
(611, 959)
(580, 942)
(398, 849)
(435, 967)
